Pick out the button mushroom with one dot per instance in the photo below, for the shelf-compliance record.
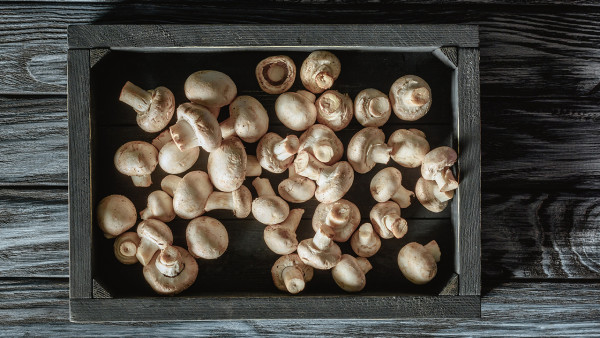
(253, 167)
(349, 273)
(410, 97)
(365, 242)
(366, 148)
(189, 193)
(227, 165)
(342, 216)
(137, 159)
(195, 127)
(319, 70)
(290, 274)
(334, 110)
(387, 221)
(436, 166)
(333, 182)
(154, 235)
(276, 154)
(418, 263)
(115, 214)
(430, 196)
(171, 271)
(239, 201)
(154, 107)
(296, 111)
(372, 108)
(125, 247)
(296, 188)
(320, 252)
(211, 89)
(206, 238)
(276, 74)
(268, 208)
(248, 119)
(174, 161)
(160, 207)
(321, 142)
(409, 147)
(387, 185)
(281, 238)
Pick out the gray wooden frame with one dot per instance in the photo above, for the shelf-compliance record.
(458, 43)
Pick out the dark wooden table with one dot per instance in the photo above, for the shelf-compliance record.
(540, 86)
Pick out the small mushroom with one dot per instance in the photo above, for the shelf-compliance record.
(169, 184)
(227, 165)
(248, 120)
(333, 182)
(372, 108)
(154, 235)
(430, 196)
(436, 166)
(268, 208)
(276, 74)
(387, 221)
(409, 147)
(342, 216)
(281, 238)
(367, 148)
(334, 110)
(290, 274)
(154, 107)
(137, 159)
(296, 188)
(239, 201)
(174, 161)
(160, 207)
(125, 247)
(195, 127)
(276, 154)
(115, 214)
(163, 138)
(387, 185)
(321, 142)
(171, 271)
(365, 242)
(320, 252)
(319, 70)
(189, 193)
(253, 168)
(211, 89)
(349, 273)
(206, 238)
(410, 97)
(296, 111)
(418, 263)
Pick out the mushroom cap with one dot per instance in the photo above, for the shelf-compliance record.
(409, 147)
(251, 119)
(115, 214)
(348, 274)
(334, 182)
(297, 189)
(325, 259)
(203, 123)
(276, 74)
(174, 161)
(369, 101)
(227, 165)
(160, 112)
(345, 211)
(437, 160)
(242, 202)
(365, 249)
(265, 153)
(160, 206)
(166, 285)
(155, 231)
(334, 110)
(210, 88)
(270, 209)
(320, 136)
(416, 263)
(377, 214)
(428, 193)
(281, 238)
(191, 194)
(319, 70)
(136, 158)
(295, 111)
(385, 184)
(359, 147)
(401, 87)
(125, 247)
(206, 237)
(291, 260)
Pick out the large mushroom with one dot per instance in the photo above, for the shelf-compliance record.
(342, 216)
(372, 108)
(291, 274)
(430, 196)
(281, 238)
(296, 111)
(334, 110)
(160, 206)
(410, 96)
(239, 201)
(321, 142)
(227, 165)
(211, 89)
(333, 182)
(248, 119)
(367, 148)
(436, 166)
(154, 235)
(409, 147)
(387, 221)
(171, 271)
(349, 273)
(206, 238)
(418, 263)
(195, 127)
(365, 242)
(276, 154)
(268, 208)
(319, 70)
(115, 214)
(296, 188)
(320, 252)
(154, 107)
(276, 74)
(387, 185)
(137, 159)
(189, 193)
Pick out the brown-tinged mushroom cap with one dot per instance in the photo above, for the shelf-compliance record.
(160, 206)
(333, 182)
(210, 88)
(137, 159)
(295, 110)
(276, 154)
(227, 165)
(372, 108)
(409, 147)
(181, 269)
(154, 235)
(191, 194)
(430, 196)
(367, 148)
(320, 252)
(174, 161)
(248, 119)
(319, 70)
(386, 220)
(196, 127)
(281, 238)
(276, 74)
(321, 142)
(365, 242)
(154, 107)
(349, 273)
(239, 201)
(410, 96)
(342, 216)
(206, 238)
(387, 185)
(334, 110)
(436, 166)
(290, 274)
(418, 263)
(125, 247)
(296, 188)
(115, 214)
(268, 208)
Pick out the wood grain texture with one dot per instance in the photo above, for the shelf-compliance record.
(374, 2)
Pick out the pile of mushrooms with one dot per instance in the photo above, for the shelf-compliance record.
(316, 169)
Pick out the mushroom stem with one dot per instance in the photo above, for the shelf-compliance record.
(219, 200)
(253, 167)
(126, 246)
(308, 166)
(263, 187)
(323, 151)
(323, 237)
(403, 197)
(445, 180)
(365, 234)
(329, 103)
(183, 134)
(292, 172)
(396, 224)
(433, 248)
(169, 262)
(136, 97)
(417, 97)
(286, 148)
(227, 127)
(169, 184)
(142, 180)
(378, 106)
(364, 264)
(379, 153)
(146, 213)
(324, 80)
(338, 215)
(293, 279)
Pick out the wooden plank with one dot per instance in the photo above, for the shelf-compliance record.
(590, 3)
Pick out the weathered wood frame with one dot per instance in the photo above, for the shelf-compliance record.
(458, 43)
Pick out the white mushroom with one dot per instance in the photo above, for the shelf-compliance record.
(227, 165)
(387, 221)
(365, 242)
(189, 193)
(115, 214)
(137, 159)
(268, 208)
(125, 247)
(174, 161)
(171, 271)
(436, 166)
(410, 97)
(430, 196)
(320, 252)
(321, 142)
(296, 111)
(206, 238)
(372, 108)
(418, 263)
(211, 89)
(281, 238)
(160, 206)
(367, 148)
(342, 216)
(248, 119)
(296, 188)
(349, 273)
(154, 107)
(195, 127)
(154, 235)
(290, 274)
(239, 201)
(276, 74)
(276, 154)
(409, 147)
(334, 110)
(333, 182)
(319, 70)
(387, 185)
